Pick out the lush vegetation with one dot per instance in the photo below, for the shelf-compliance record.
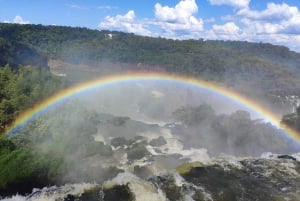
(230, 62)
(53, 149)
(21, 168)
(22, 88)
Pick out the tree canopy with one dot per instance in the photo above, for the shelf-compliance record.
(22, 88)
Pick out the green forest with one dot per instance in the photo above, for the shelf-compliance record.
(242, 66)
(228, 62)
(22, 88)
(26, 79)
(239, 65)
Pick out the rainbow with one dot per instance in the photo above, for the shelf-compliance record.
(24, 117)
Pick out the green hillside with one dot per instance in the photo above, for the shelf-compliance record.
(274, 69)
(264, 72)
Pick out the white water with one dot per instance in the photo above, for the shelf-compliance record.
(54, 193)
(142, 190)
(175, 146)
(146, 191)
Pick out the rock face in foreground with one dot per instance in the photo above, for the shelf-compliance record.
(250, 179)
(274, 178)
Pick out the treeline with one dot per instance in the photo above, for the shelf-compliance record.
(23, 87)
(17, 54)
(275, 69)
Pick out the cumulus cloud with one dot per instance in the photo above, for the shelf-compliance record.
(271, 13)
(127, 23)
(228, 28)
(179, 18)
(180, 13)
(276, 18)
(277, 23)
(19, 20)
(227, 31)
(170, 22)
(233, 3)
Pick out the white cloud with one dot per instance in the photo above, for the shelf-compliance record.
(228, 28)
(125, 22)
(181, 13)
(169, 22)
(227, 31)
(76, 6)
(175, 21)
(19, 20)
(106, 7)
(271, 13)
(209, 20)
(292, 26)
(233, 3)
(277, 23)
(258, 27)
(276, 18)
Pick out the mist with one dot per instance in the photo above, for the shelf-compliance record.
(122, 127)
(145, 139)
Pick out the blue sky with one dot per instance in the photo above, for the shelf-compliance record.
(273, 21)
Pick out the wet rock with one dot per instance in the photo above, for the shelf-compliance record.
(287, 157)
(118, 193)
(70, 197)
(142, 171)
(137, 151)
(157, 142)
(119, 142)
(249, 179)
(167, 184)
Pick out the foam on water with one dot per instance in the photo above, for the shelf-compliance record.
(268, 155)
(54, 192)
(15, 198)
(188, 194)
(175, 146)
(99, 137)
(179, 180)
(164, 132)
(196, 155)
(225, 161)
(143, 190)
(290, 168)
(296, 156)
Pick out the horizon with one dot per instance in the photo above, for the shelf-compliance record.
(276, 22)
